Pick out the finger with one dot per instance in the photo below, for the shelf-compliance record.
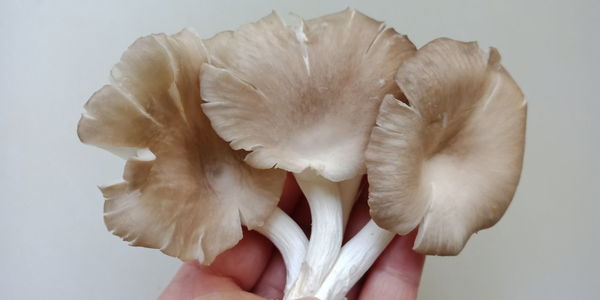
(355, 290)
(396, 273)
(194, 280)
(245, 262)
(272, 282)
(239, 295)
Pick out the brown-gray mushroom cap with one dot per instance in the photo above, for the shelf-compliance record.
(189, 193)
(303, 99)
(450, 161)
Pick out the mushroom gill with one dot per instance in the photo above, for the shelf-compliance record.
(190, 193)
(450, 162)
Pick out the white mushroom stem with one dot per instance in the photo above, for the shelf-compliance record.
(289, 239)
(354, 260)
(327, 231)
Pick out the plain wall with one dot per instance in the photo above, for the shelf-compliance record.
(54, 54)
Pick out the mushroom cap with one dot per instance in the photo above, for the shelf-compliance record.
(303, 99)
(451, 161)
(184, 190)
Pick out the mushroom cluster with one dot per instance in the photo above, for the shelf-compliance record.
(210, 127)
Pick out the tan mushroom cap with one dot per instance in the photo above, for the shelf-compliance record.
(186, 197)
(303, 99)
(451, 161)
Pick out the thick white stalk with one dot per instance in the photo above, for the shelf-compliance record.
(348, 194)
(327, 231)
(354, 260)
(289, 239)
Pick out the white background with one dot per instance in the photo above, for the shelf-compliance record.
(54, 54)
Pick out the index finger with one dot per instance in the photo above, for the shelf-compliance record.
(397, 272)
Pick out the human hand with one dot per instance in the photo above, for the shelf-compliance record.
(253, 264)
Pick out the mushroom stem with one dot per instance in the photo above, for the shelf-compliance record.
(289, 239)
(327, 230)
(355, 258)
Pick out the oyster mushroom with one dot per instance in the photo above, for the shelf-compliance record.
(448, 164)
(185, 191)
(305, 100)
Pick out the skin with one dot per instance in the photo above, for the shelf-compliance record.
(254, 270)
